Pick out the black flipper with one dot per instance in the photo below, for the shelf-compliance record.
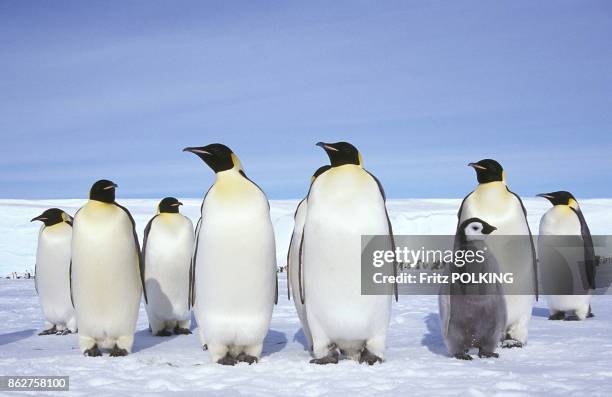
(36, 276)
(147, 230)
(137, 243)
(193, 264)
(300, 280)
(395, 264)
(533, 250)
(70, 268)
(195, 254)
(276, 289)
(289, 251)
(590, 260)
(70, 277)
(288, 270)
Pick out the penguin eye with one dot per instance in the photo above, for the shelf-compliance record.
(474, 227)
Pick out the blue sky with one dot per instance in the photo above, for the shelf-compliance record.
(115, 90)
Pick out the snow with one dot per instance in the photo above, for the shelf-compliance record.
(561, 358)
(408, 216)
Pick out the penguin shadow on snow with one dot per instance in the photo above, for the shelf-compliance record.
(433, 338)
(16, 336)
(540, 312)
(300, 338)
(144, 339)
(274, 342)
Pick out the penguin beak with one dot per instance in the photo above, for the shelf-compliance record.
(477, 166)
(111, 186)
(177, 204)
(545, 195)
(488, 229)
(38, 218)
(327, 147)
(197, 150)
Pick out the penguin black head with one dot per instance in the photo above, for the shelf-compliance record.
(341, 153)
(169, 205)
(51, 217)
(488, 170)
(561, 197)
(319, 171)
(103, 190)
(218, 156)
(475, 229)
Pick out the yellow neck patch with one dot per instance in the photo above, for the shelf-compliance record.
(237, 163)
(66, 217)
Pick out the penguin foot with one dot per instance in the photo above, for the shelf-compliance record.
(116, 351)
(93, 352)
(557, 316)
(245, 358)
(510, 343)
(572, 318)
(463, 356)
(227, 360)
(330, 359)
(63, 332)
(163, 332)
(590, 313)
(369, 358)
(182, 331)
(49, 331)
(484, 354)
(204, 347)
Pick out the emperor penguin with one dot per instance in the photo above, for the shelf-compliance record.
(493, 202)
(166, 253)
(566, 219)
(53, 272)
(234, 266)
(344, 203)
(106, 273)
(473, 315)
(293, 286)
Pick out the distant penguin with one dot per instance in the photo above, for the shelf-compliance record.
(293, 286)
(566, 219)
(106, 276)
(344, 203)
(166, 252)
(473, 315)
(53, 272)
(493, 202)
(234, 284)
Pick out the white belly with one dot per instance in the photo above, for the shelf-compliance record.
(568, 302)
(235, 275)
(168, 259)
(293, 266)
(495, 205)
(52, 273)
(105, 273)
(561, 221)
(340, 211)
